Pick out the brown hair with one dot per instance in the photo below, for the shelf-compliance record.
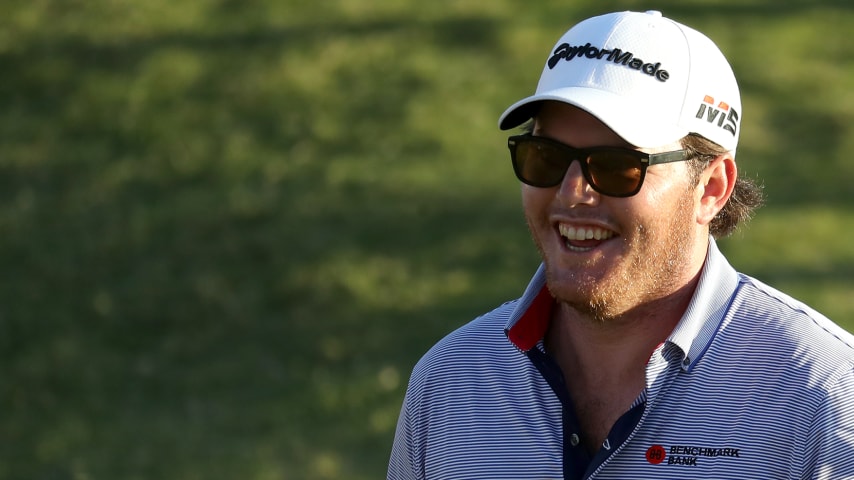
(746, 195)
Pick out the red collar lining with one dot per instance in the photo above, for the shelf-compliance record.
(532, 325)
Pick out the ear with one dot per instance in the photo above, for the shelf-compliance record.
(716, 184)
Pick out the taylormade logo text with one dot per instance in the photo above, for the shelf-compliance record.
(567, 52)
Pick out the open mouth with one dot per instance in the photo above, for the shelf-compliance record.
(584, 238)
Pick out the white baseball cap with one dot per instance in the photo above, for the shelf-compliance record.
(650, 79)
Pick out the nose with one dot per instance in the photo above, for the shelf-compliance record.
(574, 189)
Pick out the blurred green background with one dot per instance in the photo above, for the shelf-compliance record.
(229, 228)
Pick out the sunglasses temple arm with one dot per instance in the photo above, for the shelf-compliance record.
(668, 157)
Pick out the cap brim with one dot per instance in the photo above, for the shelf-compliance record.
(637, 122)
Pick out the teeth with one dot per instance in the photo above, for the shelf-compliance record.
(584, 233)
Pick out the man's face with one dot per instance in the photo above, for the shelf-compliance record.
(606, 255)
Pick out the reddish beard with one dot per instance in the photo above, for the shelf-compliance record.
(654, 263)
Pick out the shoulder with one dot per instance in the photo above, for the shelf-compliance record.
(770, 308)
(471, 348)
(775, 327)
(462, 366)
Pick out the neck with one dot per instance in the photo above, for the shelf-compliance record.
(619, 346)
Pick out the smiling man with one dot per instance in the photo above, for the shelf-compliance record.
(636, 351)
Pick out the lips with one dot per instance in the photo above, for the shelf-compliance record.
(583, 238)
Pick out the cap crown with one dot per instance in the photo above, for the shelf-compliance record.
(650, 79)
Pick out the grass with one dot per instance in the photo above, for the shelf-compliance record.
(231, 228)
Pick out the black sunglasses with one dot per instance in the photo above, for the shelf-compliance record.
(613, 171)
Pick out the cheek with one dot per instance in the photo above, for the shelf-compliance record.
(536, 207)
(534, 201)
(667, 186)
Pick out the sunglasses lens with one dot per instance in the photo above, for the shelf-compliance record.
(614, 172)
(543, 164)
(539, 164)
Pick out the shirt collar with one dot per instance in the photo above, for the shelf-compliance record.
(527, 325)
(695, 331)
(529, 321)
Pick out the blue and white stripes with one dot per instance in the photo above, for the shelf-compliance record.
(751, 385)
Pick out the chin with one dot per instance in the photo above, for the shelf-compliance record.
(600, 296)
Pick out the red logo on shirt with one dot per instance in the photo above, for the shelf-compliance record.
(655, 454)
(688, 455)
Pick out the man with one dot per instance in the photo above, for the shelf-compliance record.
(636, 351)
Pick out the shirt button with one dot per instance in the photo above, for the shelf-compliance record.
(574, 440)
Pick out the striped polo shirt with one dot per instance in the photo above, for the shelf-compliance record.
(751, 384)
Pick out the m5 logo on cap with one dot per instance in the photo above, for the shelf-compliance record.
(726, 116)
